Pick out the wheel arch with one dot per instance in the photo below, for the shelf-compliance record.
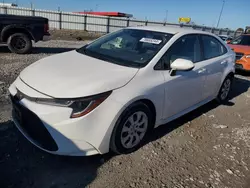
(229, 74)
(105, 144)
(146, 101)
(10, 30)
(149, 103)
(151, 106)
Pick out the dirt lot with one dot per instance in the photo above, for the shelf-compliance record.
(209, 147)
(67, 34)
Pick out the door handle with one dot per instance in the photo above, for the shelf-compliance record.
(202, 70)
(223, 62)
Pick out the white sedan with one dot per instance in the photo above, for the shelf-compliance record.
(111, 93)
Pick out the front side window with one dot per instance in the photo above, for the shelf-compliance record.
(127, 47)
(187, 47)
(212, 47)
(242, 40)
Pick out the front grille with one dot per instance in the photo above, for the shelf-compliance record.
(32, 126)
(239, 56)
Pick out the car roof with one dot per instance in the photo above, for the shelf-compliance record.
(169, 29)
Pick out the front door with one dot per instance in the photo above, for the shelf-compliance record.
(185, 88)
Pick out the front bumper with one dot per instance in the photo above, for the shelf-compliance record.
(44, 136)
(51, 129)
(243, 64)
(238, 66)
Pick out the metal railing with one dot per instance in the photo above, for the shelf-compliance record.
(102, 24)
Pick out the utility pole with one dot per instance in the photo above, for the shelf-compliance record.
(221, 13)
(166, 17)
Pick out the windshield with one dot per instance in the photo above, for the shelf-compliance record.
(128, 47)
(242, 40)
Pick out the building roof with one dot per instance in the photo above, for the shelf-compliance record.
(113, 14)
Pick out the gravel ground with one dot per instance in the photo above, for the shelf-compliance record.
(209, 147)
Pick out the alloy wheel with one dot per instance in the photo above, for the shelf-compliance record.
(134, 129)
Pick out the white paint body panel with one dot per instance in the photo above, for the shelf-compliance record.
(72, 75)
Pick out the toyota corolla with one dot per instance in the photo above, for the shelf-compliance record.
(111, 93)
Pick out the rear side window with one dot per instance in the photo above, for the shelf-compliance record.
(212, 47)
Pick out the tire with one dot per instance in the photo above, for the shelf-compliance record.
(225, 90)
(125, 130)
(19, 43)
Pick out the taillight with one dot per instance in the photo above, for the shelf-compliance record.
(46, 28)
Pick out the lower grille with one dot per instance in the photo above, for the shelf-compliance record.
(238, 66)
(32, 126)
(239, 56)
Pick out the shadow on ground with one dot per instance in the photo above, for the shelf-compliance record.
(243, 73)
(240, 86)
(40, 50)
(22, 165)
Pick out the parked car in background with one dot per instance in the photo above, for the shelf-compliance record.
(18, 32)
(111, 93)
(226, 38)
(241, 46)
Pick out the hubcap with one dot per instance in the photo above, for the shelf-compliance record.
(19, 43)
(134, 129)
(225, 89)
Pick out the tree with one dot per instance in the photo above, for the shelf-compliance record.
(240, 30)
(247, 30)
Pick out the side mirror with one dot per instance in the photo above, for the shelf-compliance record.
(182, 65)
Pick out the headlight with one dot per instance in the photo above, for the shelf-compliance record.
(53, 102)
(247, 56)
(81, 106)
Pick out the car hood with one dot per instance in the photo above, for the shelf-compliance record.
(73, 75)
(240, 48)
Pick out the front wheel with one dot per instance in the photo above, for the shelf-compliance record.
(225, 90)
(19, 43)
(131, 129)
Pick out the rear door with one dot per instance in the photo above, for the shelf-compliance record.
(215, 61)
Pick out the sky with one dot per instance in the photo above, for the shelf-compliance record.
(236, 13)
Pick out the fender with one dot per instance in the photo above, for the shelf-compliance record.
(15, 26)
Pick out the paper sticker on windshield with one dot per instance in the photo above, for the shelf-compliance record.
(152, 41)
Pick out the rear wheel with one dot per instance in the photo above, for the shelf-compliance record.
(131, 129)
(225, 90)
(19, 43)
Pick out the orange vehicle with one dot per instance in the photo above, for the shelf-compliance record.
(241, 46)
